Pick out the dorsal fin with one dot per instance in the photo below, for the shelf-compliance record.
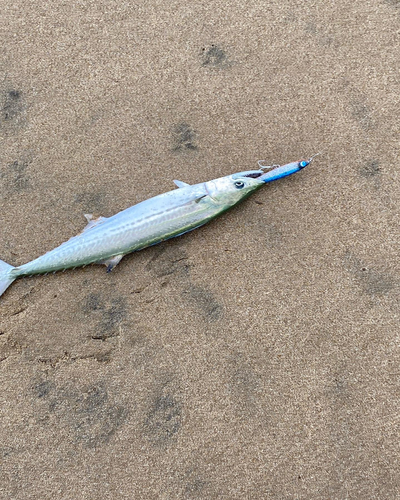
(93, 221)
(181, 184)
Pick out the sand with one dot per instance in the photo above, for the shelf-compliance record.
(255, 358)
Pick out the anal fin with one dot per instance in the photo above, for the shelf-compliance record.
(111, 262)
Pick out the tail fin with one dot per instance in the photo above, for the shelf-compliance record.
(6, 278)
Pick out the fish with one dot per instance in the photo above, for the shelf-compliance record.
(105, 240)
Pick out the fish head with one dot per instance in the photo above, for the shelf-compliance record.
(233, 188)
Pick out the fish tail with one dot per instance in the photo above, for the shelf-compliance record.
(6, 276)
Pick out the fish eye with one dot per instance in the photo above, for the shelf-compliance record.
(303, 164)
(239, 184)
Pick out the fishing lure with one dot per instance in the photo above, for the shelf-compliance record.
(107, 240)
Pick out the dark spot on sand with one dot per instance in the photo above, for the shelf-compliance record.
(370, 169)
(204, 300)
(14, 95)
(361, 112)
(107, 313)
(339, 399)
(92, 399)
(103, 357)
(92, 201)
(171, 259)
(93, 302)
(339, 384)
(273, 235)
(194, 487)
(310, 28)
(372, 282)
(214, 57)
(192, 484)
(141, 344)
(87, 411)
(95, 419)
(322, 36)
(6, 451)
(42, 388)
(376, 283)
(338, 392)
(168, 259)
(393, 3)
(12, 109)
(244, 384)
(14, 176)
(184, 138)
(112, 315)
(164, 416)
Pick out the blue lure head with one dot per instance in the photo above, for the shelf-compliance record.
(278, 171)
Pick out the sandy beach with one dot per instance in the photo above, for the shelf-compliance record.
(256, 357)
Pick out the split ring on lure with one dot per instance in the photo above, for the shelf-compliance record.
(107, 240)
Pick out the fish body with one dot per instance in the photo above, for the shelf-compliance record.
(107, 240)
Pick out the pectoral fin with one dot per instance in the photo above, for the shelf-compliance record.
(111, 263)
(93, 221)
(196, 199)
(181, 184)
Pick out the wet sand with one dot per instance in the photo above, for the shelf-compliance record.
(256, 357)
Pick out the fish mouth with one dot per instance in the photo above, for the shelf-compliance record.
(255, 174)
(252, 174)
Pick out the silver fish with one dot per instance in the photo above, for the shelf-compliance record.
(107, 240)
